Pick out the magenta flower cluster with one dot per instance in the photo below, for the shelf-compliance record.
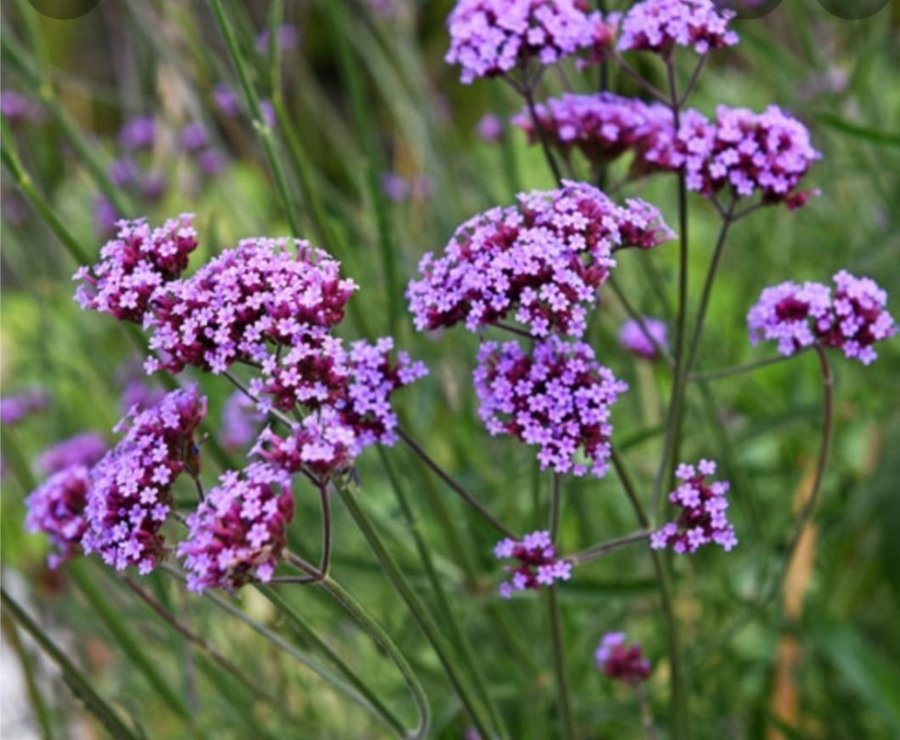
(646, 338)
(237, 534)
(601, 126)
(83, 449)
(620, 661)
(745, 153)
(661, 25)
(703, 517)
(57, 508)
(130, 492)
(541, 259)
(538, 563)
(557, 397)
(134, 265)
(18, 406)
(493, 37)
(851, 319)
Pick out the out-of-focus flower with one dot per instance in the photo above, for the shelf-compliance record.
(240, 421)
(489, 127)
(130, 496)
(19, 109)
(56, 508)
(82, 449)
(123, 172)
(226, 101)
(105, 216)
(703, 518)
(557, 397)
(620, 661)
(138, 133)
(194, 137)
(211, 162)
(153, 185)
(268, 112)
(661, 25)
(538, 564)
(237, 534)
(16, 407)
(493, 37)
(643, 341)
(542, 259)
(288, 38)
(395, 187)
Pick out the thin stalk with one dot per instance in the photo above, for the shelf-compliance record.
(527, 91)
(454, 486)
(692, 83)
(748, 367)
(513, 330)
(416, 607)
(26, 662)
(555, 504)
(604, 548)
(639, 319)
(646, 715)
(640, 80)
(559, 664)
(326, 530)
(262, 127)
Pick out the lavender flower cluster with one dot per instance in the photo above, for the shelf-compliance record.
(646, 339)
(703, 517)
(557, 397)
(661, 25)
(538, 563)
(86, 448)
(620, 661)
(543, 258)
(56, 507)
(798, 316)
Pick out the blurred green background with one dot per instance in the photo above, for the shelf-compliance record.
(838, 656)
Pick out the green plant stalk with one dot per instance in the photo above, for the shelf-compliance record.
(336, 15)
(123, 635)
(72, 676)
(305, 633)
(262, 127)
(748, 367)
(457, 635)
(35, 699)
(559, 664)
(421, 615)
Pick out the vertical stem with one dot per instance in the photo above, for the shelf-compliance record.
(326, 530)
(555, 503)
(559, 664)
(27, 663)
(646, 714)
(528, 93)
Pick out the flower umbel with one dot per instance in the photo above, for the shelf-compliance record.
(56, 507)
(538, 564)
(661, 25)
(620, 661)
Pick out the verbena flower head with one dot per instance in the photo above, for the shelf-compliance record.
(237, 534)
(538, 564)
(557, 397)
(82, 449)
(661, 25)
(241, 421)
(492, 37)
(800, 315)
(56, 508)
(287, 38)
(18, 108)
(621, 661)
(643, 341)
(747, 153)
(541, 259)
(703, 517)
(18, 406)
(601, 126)
(138, 133)
(489, 127)
(130, 494)
(226, 100)
(264, 291)
(194, 137)
(133, 265)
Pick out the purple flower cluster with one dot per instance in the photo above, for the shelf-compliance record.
(83, 449)
(134, 265)
(489, 127)
(400, 189)
(703, 512)
(240, 421)
(322, 444)
(644, 341)
(18, 108)
(56, 507)
(264, 290)
(538, 564)
(602, 126)
(800, 315)
(543, 258)
(195, 142)
(237, 534)
(138, 134)
(492, 37)
(746, 152)
(21, 405)
(558, 398)
(620, 661)
(661, 25)
(287, 38)
(130, 491)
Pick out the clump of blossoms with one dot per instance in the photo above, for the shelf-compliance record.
(542, 259)
(621, 661)
(240, 421)
(492, 37)
(798, 316)
(19, 406)
(747, 153)
(56, 508)
(265, 290)
(237, 534)
(130, 493)
(538, 563)
(646, 338)
(134, 265)
(602, 126)
(703, 512)
(557, 397)
(82, 449)
(661, 25)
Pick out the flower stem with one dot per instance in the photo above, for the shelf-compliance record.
(559, 664)
(555, 503)
(326, 531)
(738, 369)
(527, 91)
(454, 486)
(637, 318)
(604, 548)
(646, 714)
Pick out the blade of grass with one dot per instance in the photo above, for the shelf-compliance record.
(26, 662)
